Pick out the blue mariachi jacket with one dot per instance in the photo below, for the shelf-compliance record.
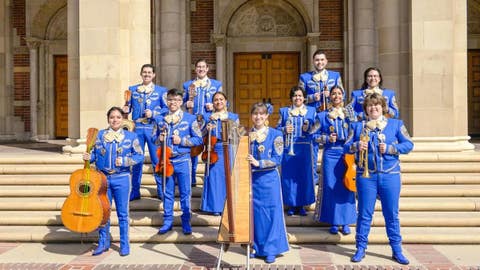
(326, 123)
(186, 127)
(298, 117)
(106, 152)
(311, 86)
(156, 101)
(267, 148)
(358, 97)
(394, 134)
(204, 94)
(217, 121)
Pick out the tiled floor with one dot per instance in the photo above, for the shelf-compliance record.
(204, 256)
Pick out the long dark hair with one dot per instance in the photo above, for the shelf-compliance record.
(365, 74)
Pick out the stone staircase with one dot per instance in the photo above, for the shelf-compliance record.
(440, 203)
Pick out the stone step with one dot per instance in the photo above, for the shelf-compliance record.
(147, 234)
(59, 158)
(150, 218)
(462, 204)
(148, 179)
(150, 191)
(424, 167)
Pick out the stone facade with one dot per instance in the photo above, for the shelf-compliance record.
(420, 50)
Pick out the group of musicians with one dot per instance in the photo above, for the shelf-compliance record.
(283, 158)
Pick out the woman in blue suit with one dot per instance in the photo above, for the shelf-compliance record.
(266, 148)
(377, 144)
(373, 84)
(298, 182)
(214, 190)
(115, 151)
(335, 204)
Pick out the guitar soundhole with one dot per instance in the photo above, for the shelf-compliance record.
(84, 189)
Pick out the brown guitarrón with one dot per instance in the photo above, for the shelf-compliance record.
(237, 220)
(87, 207)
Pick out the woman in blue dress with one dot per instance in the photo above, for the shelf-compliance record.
(266, 148)
(298, 182)
(214, 191)
(373, 84)
(335, 204)
(115, 151)
(377, 144)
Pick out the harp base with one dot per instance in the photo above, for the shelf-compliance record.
(224, 247)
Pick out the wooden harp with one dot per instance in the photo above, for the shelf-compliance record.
(236, 225)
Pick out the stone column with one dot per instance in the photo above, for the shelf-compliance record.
(33, 45)
(111, 46)
(393, 46)
(312, 45)
(364, 38)
(73, 73)
(173, 63)
(220, 41)
(438, 64)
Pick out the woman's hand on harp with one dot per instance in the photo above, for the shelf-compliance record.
(253, 161)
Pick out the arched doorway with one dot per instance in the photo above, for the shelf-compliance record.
(49, 27)
(265, 47)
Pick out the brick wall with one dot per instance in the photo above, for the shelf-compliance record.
(21, 78)
(331, 29)
(201, 27)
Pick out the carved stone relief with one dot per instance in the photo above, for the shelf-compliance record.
(266, 18)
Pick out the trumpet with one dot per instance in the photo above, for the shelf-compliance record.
(289, 137)
(363, 159)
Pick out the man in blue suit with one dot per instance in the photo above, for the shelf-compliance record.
(198, 98)
(148, 100)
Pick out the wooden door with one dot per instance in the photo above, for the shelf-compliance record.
(474, 92)
(263, 76)
(61, 96)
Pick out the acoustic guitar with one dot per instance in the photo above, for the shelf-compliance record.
(87, 207)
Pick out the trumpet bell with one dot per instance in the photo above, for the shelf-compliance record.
(128, 124)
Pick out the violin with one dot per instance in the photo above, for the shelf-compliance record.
(209, 155)
(164, 166)
(350, 173)
(87, 207)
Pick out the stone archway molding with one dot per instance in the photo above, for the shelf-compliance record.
(43, 18)
(235, 5)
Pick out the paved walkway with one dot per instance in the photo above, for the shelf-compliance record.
(204, 256)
